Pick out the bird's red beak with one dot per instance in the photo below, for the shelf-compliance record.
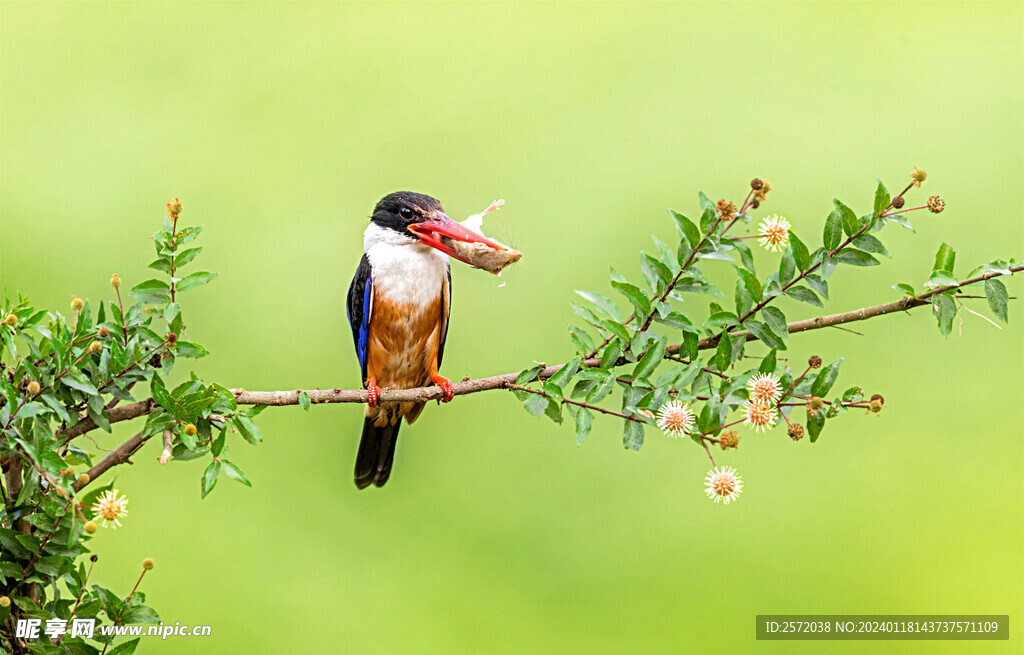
(430, 232)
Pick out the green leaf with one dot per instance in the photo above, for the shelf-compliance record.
(159, 392)
(905, 288)
(611, 354)
(869, 243)
(194, 280)
(849, 219)
(946, 310)
(750, 282)
(653, 270)
(603, 303)
(185, 256)
(126, 648)
(765, 334)
(723, 354)
(815, 424)
(687, 230)
(997, 297)
(882, 198)
(776, 320)
(800, 253)
(76, 380)
(691, 344)
(833, 234)
(152, 291)
(746, 256)
(635, 296)
(30, 409)
(826, 378)
(188, 234)
(804, 294)
(855, 258)
(787, 266)
(632, 434)
(584, 421)
(139, 614)
(536, 404)
(581, 339)
(649, 362)
(529, 375)
(708, 217)
(210, 477)
(944, 259)
(562, 376)
(769, 362)
(304, 400)
(189, 349)
(234, 472)
(248, 429)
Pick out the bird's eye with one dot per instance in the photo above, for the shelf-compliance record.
(405, 213)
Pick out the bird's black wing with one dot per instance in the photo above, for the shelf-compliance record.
(360, 306)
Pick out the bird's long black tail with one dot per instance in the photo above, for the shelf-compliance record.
(376, 453)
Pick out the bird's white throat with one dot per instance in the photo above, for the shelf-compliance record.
(404, 270)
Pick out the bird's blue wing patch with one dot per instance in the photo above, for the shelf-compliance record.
(364, 325)
(359, 308)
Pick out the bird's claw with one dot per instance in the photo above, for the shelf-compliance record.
(373, 393)
(446, 386)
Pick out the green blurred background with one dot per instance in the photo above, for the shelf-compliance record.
(280, 125)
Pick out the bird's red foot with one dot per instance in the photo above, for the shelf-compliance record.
(446, 386)
(373, 392)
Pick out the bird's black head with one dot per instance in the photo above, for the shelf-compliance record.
(398, 210)
(421, 219)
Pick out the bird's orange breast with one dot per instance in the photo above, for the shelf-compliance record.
(402, 344)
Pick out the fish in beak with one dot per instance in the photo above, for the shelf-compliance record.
(435, 231)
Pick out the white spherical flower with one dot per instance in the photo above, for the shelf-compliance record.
(764, 388)
(675, 419)
(774, 233)
(759, 416)
(723, 484)
(111, 508)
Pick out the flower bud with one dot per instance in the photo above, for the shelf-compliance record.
(115, 281)
(95, 348)
(190, 429)
(10, 319)
(33, 387)
(174, 207)
(5, 601)
(814, 361)
(83, 479)
(898, 202)
(171, 337)
(103, 332)
(756, 184)
(917, 176)
(77, 303)
(148, 563)
(936, 205)
(729, 439)
(755, 203)
(93, 558)
(876, 406)
(796, 431)
(90, 527)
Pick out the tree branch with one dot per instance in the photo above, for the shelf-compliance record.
(119, 455)
(506, 381)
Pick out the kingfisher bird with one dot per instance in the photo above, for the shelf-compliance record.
(398, 306)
